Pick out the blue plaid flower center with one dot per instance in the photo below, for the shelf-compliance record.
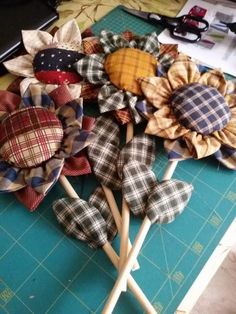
(200, 108)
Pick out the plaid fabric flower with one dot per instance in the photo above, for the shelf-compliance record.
(141, 148)
(196, 112)
(37, 138)
(84, 221)
(50, 59)
(126, 57)
(104, 152)
(160, 201)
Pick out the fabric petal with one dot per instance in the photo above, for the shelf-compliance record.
(69, 33)
(35, 40)
(71, 114)
(214, 78)
(92, 68)
(226, 156)
(77, 165)
(29, 198)
(111, 41)
(183, 71)
(8, 102)
(230, 87)
(98, 200)
(168, 200)
(81, 220)
(227, 136)
(157, 90)
(25, 83)
(36, 96)
(164, 124)
(92, 45)
(201, 145)
(138, 182)
(177, 150)
(149, 43)
(20, 66)
(141, 148)
(11, 178)
(231, 100)
(43, 177)
(145, 109)
(123, 116)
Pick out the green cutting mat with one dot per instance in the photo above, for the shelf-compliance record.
(43, 271)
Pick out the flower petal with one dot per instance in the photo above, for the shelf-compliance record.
(177, 149)
(35, 40)
(35, 96)
(157, 90)
(20, 66)
(69, 33)
(201, 145)
(111, 41)
(29, 197)
(230, 87)
(227, 157)
(11, 178)
(231, 100)
(8, 102)
(77, 165)
(110, 98)
(183, 71)
(71, 114)
(149, 43)
(214, 78)
(227, 136)
(92, 68)
(164, 124)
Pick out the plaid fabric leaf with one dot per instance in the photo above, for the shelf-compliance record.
(167, 200)
(226, 156)
(103, 158)
(110, 98)
(98, 200)
(107, 130)
(138, 182)
(200, 108)
(92, 68)
(141, 148)
(81, 220)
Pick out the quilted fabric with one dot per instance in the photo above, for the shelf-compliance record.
(200, 108)
(125, 65)
(30, 136)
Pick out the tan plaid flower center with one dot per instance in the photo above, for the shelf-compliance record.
(126, 65)
(30, 136)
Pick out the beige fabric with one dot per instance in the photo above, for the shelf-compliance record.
(214, 78)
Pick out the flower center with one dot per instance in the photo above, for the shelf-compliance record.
(30, 136)
(126, 65)
(55, 66)
(200, 108)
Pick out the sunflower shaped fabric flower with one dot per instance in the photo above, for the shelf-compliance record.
(126, 57)
(196, 112)
(50, 58)
(37, 136)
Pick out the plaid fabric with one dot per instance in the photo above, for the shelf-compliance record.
(92, 69)
(30, 136)
(177, 150)
(227, 157)
(61, 95)
(77, 165)
(11, 178)
(29, 198)
(200, 108)
(141, 148)
(92, 45)
(110, 98)
(145, 108)
(98, 200)
(126, 65)
(89, 92)
(138, 182)
(167, 200)
(81, 220)
(123, 116)
(8, 103)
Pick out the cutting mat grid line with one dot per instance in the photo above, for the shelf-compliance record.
(44, 271)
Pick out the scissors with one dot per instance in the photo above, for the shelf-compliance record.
(187, 28)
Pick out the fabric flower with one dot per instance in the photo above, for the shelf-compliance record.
(38, 134)
(196, 112)
(126, 57)
(50, 58)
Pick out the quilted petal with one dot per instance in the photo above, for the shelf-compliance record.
(167, 200)
(149, 43)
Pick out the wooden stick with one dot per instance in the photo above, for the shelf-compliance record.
(132, 285)
(124, 273)
(124, 237)
(138, 293)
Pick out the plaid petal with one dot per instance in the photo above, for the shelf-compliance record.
(11, 178)
(111, 41)
(167, 200)
(149, 43)
(138, 182)
(145, 109)
(35, 95)
(92, 45)
(81, 220)
(8, 103)
(107, 130)
(89, 92)
(98, 200)
(103, 158)
(226, 156)
(92, 68)
(177, 150)
(29, 198)
(122, 116)
(77, 165)
(141, 148)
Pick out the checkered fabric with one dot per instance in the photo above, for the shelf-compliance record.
(77, 165)
(29, 198)
(9, 102)
(138, 182)
(91, 67)
(123, 116)
(99, 201)
(167, 200)
(111, 98)
(200, 108)
(92, 45)
(126, 65)
(81, 220)
(89, 92)
(145, 108)
(226, 156)
(11, 178)
(177, 150)
(30, 136)
(141, 148)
